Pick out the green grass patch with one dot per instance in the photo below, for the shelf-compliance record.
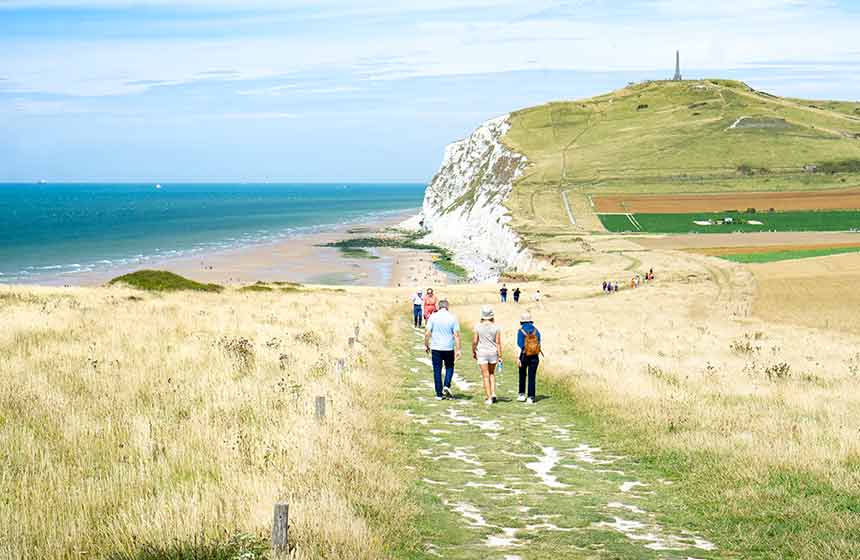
(244, 547)
(258, 287)
(286, 287)
(771, 221)
(356, 253)
(773, 256)
(162, 281)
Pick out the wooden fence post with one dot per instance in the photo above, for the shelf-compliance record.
(351, 343)
(356, 331)
(340, 367)
(320, 407)
(280, 542)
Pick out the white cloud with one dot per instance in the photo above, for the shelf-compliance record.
(756, 31)
(268, 91)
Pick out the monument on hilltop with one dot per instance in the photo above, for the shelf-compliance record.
(677, 76)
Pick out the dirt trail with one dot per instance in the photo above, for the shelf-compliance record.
(514, 481)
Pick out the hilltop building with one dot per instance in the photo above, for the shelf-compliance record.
(677, 76)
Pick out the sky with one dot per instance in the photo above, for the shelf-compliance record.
(365, 90)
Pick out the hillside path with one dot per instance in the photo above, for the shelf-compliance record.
(513, 481)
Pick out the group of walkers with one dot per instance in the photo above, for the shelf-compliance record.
(635, 281)
(442, 341)
(503, 294)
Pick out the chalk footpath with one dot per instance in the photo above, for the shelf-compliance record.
(519, 482)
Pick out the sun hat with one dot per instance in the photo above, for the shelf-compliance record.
(526, 317)
(487, 312)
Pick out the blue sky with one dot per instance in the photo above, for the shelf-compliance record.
(368, 90)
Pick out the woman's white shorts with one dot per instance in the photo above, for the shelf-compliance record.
(489, 358)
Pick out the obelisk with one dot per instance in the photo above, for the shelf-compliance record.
(677, 77)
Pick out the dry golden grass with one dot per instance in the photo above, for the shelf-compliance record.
(130, 420)
(820, 292)
(688, 369)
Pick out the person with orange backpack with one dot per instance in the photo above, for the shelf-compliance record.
(528, 342)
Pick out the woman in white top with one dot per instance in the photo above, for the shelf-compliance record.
(487, 349)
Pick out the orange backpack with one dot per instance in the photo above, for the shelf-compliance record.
(531, 347)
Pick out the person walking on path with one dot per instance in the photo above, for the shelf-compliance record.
(516, 295)
(417, 309)
(528, 342)
(429, 304)
(504, 293)
(487, 350)
(442, 342)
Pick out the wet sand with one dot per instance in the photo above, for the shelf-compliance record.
(296, 259)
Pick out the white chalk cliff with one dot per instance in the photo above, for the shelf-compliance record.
(463, 207)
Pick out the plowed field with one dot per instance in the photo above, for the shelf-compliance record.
(686, 203)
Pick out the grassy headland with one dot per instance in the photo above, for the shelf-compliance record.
(674, 137)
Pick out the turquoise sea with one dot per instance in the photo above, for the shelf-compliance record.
(51, 230)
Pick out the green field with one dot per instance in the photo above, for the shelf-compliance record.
(773, 256)
(772, 221)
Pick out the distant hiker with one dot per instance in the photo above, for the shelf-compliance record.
(417, 309)
(516, 295)
(528, 342)
(604, 286)
(537, 296)
(429, 304)
(504, 293)
(442, 342)
(487, 350)
(616, 287)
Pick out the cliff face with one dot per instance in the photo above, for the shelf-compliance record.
(463, 208)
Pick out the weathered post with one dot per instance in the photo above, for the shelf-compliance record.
(356, 331)
(320, 407)
(280, 542)
(340, 367)
(351, 343)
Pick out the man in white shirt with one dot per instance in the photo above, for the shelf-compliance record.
(417, 309)
(442, 342)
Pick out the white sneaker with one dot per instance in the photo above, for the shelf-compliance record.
(488, 401)
(446, 391)
(440, 398)
(521, 398)
(530, 400)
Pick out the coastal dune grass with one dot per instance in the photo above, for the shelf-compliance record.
(162, 281)
(142, 427)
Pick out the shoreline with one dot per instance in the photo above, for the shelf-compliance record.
(296, 258)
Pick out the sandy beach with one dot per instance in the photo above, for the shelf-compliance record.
(300, 258)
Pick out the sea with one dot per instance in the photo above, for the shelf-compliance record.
(51, 230)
